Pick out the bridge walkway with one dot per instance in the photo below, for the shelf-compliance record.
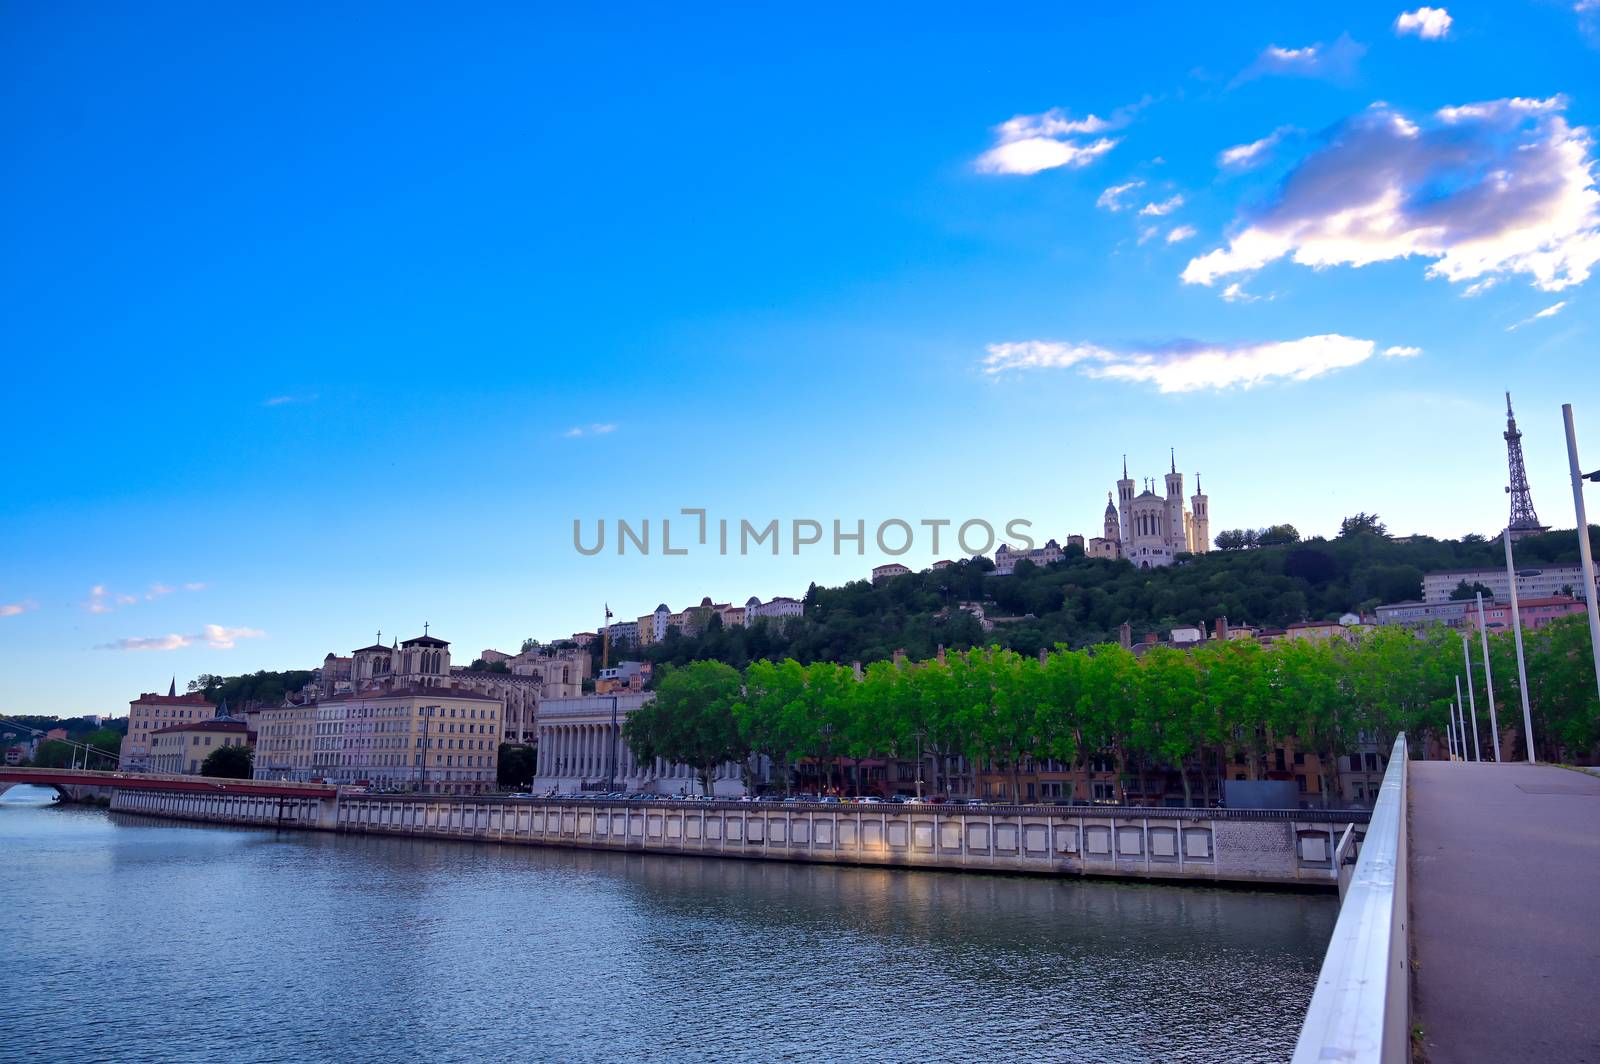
(1505, 912)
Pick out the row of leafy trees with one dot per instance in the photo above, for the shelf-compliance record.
(1167, 709)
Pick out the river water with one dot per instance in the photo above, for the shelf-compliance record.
(135, 939)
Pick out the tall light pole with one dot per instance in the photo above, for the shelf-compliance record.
(1488, 677)
(1472, 699)
(1584, 553)
(1476, 754)
(1461, 728)
(1516, 634)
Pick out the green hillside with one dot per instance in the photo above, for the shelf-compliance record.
(1081, 601)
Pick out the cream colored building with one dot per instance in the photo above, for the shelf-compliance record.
(150, 712)
(430, 739)
(1151, 529)
(182, 749)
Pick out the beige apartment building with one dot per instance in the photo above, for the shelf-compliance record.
(151, 712)
(430, 739)
(181, 749)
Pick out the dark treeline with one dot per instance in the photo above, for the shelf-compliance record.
(1080, 602)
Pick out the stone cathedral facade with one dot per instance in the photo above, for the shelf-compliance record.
(1151, 529)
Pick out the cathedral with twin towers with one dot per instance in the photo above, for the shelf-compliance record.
(1149, 529)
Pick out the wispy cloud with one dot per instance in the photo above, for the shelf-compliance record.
(1115, 198)
(589, 430)
(285, 400)
(103, 600)
(16, 609)
(1162, 209)
(1401, 352)
(215, 636)
(1485, 189)
(1335, 62)
(1235, 293)
(1247, 156)
(1187, 366)
(1429, 23)
(1181, 232)
(1028, 144)
(1548, 312)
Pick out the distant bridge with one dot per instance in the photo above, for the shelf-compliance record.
(60, 778)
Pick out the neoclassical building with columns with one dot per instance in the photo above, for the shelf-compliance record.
(581, 749)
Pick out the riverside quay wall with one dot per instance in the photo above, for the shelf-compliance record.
(1276, 847)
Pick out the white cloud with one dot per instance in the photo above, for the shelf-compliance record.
(1429, 23)
(158, 590)
(1182, 232)
(1112, 199)
(589, 430)
(1027, 144)
(1401, 352)
(1547, 312)
(1484, 190)
(1162, 209)
(1245, 156)
(1187, 366)
(284, 400)
(1335, 62)
(194, 585)
(1235, 293)
(102, 600)
(1148, 233)
(1040, 153)
(16, 609)
(215, 636)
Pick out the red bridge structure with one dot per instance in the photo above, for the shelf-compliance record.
(61, 778)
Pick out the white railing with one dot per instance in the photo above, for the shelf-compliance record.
(1361, 1010)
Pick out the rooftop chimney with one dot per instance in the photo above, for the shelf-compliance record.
(1125, 635)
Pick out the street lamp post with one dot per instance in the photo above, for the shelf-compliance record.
(1472, 699)
(1585, 555)
(1476, 754)
(1488, 677)
(1516, 634)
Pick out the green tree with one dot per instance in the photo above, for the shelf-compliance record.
(229, 762)
(691, 720)
(515, 766)
(1363, 524)
(53, 753)
(1278, 535)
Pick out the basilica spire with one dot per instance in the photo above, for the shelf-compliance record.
(1173, 453)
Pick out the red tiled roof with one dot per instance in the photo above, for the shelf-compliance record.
(172, 700)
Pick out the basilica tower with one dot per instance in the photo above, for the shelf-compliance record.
(1124, 500)
(1177, 530)
(1199, 520)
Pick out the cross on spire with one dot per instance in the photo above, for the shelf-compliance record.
(1173, 452)
(424, 627)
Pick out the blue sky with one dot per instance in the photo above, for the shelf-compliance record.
(321, 322)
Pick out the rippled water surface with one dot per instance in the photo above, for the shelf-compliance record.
(131, 939)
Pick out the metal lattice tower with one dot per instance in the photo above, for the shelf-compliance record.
(1524, 521)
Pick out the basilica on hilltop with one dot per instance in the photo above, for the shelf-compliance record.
(1151, 530)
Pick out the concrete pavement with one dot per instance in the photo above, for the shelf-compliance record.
(1505, 912)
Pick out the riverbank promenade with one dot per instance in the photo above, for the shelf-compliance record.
(1505, 904)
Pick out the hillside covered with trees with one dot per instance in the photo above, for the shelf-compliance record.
(1269, 577)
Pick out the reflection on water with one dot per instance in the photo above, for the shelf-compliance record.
(152, 940)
